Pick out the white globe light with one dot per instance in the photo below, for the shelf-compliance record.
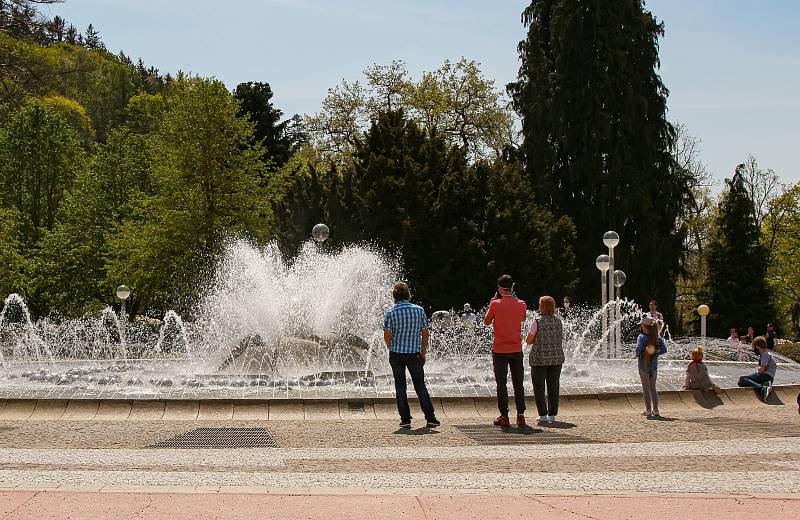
(619, 278)
(603, 262)
(321, 232)
(123, 291)
(611, 239)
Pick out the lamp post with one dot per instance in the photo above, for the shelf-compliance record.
(602, 262)
(123, 292)
(619, 281)
(703, 311)
(611, 239)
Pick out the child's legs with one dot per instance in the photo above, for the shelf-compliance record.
(754, 380)
(645, 377)
(653, 391)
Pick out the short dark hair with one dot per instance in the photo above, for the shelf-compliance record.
(401, 292)
(760, 342)
(505, 281)
(652, 302)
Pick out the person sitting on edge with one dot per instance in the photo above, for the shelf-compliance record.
(697, 374)
(406, 333)
(748, 338)
(734, 337)
(761, 380)
(507, 314)
(649, 345)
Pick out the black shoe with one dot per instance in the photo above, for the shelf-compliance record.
(433, 423)
(406, 425)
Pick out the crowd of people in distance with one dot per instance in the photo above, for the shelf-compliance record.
(407, 336)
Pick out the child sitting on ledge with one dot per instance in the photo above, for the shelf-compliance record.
(697, 377)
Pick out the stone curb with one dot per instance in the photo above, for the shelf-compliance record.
(221, 410)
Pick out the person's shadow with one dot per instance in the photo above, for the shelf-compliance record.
(558, 425)
(417, 431)
(661, 418)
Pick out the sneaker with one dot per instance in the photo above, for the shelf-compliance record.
(433, 423)
(551, 419)
(766, 390)
(541, 419)
(405, 425)
(656, 414)
(502, 421)
(647, 413)
(521, 421)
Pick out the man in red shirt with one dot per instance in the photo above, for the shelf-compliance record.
(507, 314)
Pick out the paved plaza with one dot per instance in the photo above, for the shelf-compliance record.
(601, 460)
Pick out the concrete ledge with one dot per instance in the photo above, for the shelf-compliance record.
(18, 410)
(375, 408)
(251, 411)
(181, 410)
(48, 410)
(454, 407)
(147, 410)
(215, 411)
(80, 410)
(321, 410)
(113, 411)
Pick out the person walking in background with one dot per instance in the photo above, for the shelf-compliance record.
(763, 378)
(771, 336)
(546, 337)
(649, 345)
(697, 377)
(406, 331)
(655, 315)
(506, 314)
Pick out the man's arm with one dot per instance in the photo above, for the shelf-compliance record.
(426, 334)
(387, 337)
(487, 320)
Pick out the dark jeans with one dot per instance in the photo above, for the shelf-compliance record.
(755, 380)
(550, 376)
(502, 363)
(415, 366)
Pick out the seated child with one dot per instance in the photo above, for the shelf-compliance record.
(697, 374)
(761, 380)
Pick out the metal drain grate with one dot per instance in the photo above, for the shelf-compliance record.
(220, 438)
(489, 435)
(356, 407)
(766, 428)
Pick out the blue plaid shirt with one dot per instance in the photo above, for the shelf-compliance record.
(406, 321)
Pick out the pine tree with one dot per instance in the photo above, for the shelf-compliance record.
(596, 138)
(256, 101)
(736, 287)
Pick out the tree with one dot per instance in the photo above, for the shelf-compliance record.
(70, 271)
(737, 289)
(596, 141)
(39, 158)
(781, 239)
(13, 276)
(763, 186)
(256, 102)
(455, 101)
(208, 183)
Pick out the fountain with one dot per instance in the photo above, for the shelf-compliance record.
(312, 328)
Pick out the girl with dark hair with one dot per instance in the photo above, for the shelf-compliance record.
(649, 345)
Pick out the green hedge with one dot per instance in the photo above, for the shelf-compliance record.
(790, 350)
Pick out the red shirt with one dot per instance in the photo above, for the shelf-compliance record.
(507, 314)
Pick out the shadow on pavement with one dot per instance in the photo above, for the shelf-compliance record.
(416, 431)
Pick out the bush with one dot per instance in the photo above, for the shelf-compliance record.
(790, 350)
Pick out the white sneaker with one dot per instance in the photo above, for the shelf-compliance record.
(542, 418)
(551, 418)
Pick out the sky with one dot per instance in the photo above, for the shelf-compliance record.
(732, 66)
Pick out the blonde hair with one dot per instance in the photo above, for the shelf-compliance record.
(547, 306)
(697, 354)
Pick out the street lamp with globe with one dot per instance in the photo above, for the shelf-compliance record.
(320, 233)
(619, 281)
(123, 292)
(602, 262)
(703, 311)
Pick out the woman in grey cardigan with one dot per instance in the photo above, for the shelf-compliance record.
(547, 355)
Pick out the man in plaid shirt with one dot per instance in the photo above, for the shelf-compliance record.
(406, 333)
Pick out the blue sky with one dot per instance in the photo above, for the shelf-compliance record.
(732, 66)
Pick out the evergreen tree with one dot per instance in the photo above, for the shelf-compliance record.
(256, 101)
(596, 138)
(737, 290)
